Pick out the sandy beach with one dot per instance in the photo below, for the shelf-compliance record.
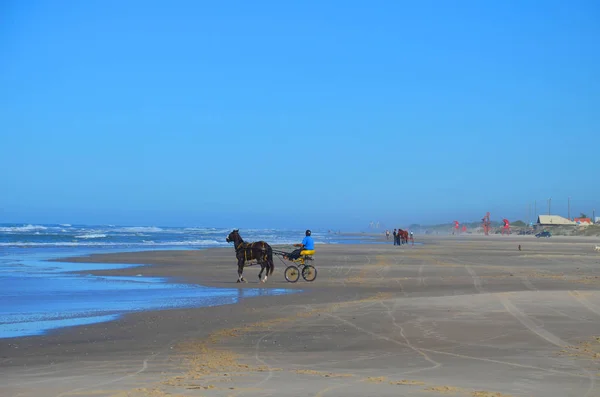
(456, 316)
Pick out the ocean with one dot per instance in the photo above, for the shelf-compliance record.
(38, 296)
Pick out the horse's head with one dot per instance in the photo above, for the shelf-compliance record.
(233, 236)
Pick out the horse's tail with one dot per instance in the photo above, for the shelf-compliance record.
(270, 261)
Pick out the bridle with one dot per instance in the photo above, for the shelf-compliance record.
(239, 241)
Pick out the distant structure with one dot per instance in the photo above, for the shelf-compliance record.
(554, 220)
(374, 225)
(486, 224)
(506, 226)
(583, 221)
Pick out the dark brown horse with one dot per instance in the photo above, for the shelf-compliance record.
(259, 251)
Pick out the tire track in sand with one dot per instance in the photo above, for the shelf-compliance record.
(587, 304)
(389, 311)
(477, 282)
(463, 356)
(402, 290)
(528, 284)
(476, 279)
(544, 334)
(421, 278)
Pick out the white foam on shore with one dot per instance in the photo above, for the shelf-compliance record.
(206, 243)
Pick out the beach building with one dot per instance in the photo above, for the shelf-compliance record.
(583, 221)
(554, 220)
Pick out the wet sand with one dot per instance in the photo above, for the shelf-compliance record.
(457, 316)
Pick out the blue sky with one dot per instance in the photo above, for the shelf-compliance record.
(297, 113)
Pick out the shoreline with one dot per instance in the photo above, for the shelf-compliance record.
(452, 294)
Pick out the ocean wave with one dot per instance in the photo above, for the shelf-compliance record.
(139, 229)
(97, 235)
(48, 236)
(208, 230)
(21, 229)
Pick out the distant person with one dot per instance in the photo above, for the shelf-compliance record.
(387, 234)
(412, 237)
(395, 237)
(307, 247)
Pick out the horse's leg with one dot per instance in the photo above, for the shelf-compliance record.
(266, 272)
(264, 265)
(262, 268)
(269, 268)
(266, 262)
(240, 270)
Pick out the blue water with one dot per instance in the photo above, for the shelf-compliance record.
(38, 296)
(119, 237)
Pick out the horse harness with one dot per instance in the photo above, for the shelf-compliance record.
(249, 247)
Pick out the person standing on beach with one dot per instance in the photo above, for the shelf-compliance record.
(395, 240)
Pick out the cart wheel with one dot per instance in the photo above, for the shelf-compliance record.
(292, 274)
(309, 273)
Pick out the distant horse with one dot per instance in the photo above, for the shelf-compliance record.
(245, 252)
(403, 236)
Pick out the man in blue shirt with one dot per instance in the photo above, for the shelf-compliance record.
(307, 247)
